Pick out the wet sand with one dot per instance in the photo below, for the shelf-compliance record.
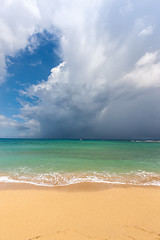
(87, 211)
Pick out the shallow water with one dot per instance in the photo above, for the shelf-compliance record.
(63, 162)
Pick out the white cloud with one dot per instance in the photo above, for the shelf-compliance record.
(147, 31)
(146, 72)
(18, 22)
(10, 127)
(148, 59)
(4, 121)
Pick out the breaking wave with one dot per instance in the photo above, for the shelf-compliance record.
(64, 179)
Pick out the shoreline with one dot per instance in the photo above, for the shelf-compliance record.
(84, 186)
(63, 179)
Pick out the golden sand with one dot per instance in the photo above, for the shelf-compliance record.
(80, 213)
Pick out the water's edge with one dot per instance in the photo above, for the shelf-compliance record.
(139, 178)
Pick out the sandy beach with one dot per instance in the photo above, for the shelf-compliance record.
(80, 212)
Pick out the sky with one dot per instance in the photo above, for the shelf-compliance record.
(80, 69)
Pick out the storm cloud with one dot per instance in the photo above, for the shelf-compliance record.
(107, 85)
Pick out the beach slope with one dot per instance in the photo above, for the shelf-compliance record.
(77, 213)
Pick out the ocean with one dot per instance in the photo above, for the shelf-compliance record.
(64, 162)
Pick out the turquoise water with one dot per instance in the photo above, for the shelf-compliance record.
(62, 162)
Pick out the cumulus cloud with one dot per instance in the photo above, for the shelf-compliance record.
(107, 85)
(146, 72)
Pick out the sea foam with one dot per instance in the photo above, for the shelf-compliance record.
(64, 179)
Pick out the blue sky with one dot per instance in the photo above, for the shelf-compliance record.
(26, 68)
(80, 69)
